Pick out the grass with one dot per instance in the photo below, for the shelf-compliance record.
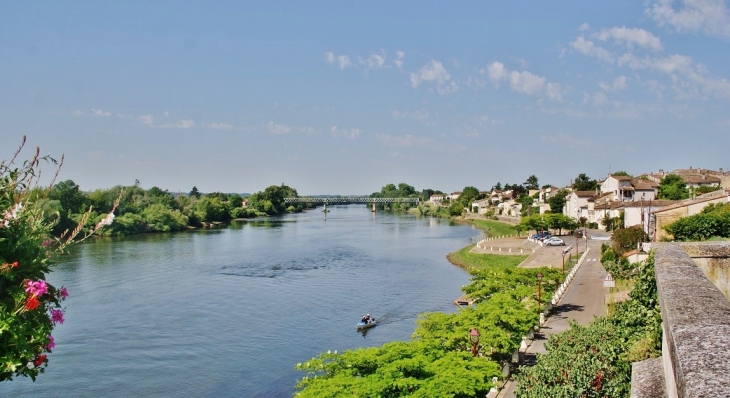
(495, 228)
(467, 260)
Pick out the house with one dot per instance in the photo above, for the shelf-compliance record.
(437, 199)
(480, 206)
(639, 213)
(455, 195)
(576, 204)
(685, 208)
(620, 186)
(695, 178)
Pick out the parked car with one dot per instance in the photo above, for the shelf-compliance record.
(541, 235)
(553, 242)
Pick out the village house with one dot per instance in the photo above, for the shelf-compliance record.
(695, 178)
(436, 199)
(576, 204)
(685, 208)
(480, 206)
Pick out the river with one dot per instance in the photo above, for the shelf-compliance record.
(229, 312)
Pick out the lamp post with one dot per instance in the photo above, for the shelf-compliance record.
(474, 337)
(539, 291)
(564, 253)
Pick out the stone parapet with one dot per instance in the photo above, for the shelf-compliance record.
(696, 323)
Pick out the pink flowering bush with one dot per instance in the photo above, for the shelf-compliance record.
(30, 307)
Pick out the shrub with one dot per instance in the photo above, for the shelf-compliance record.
(29, 306)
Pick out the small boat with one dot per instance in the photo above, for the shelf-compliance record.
(363, 325)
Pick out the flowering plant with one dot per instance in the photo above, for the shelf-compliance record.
(30, 307)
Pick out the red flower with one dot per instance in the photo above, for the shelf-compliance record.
(15, 264)
(32, 303)
(39, 361)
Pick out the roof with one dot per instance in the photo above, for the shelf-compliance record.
(703, 198)
(700, 179)
(644, 185)
(621, 178)
(649, 203)
(584, 194)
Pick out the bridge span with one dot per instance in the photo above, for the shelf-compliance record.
(349, 199)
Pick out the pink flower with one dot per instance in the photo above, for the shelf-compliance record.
(36, 288)
(57, 316)
(63, 293)
(51, 342)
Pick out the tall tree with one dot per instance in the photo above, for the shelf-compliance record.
(584, 183)
(195, 193)
(531, 182)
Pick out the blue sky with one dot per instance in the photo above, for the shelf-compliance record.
(345, 97)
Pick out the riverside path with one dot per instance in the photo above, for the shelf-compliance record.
(582, 301)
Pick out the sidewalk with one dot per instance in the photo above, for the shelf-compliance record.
(582, 302)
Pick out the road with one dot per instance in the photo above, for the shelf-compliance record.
(582, 302)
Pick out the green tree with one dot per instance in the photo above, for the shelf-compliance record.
(626, 239)
(557, 201)
(622, 173)
(194, 193)
(531, 183)
(584, 183)
(672, 187)
(468, 195)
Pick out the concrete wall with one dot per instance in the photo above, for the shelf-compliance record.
(713, 258)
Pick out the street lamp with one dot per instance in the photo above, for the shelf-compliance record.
(474, 337)
(539, 290)
(564, 253)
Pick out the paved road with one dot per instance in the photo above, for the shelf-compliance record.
(583, 301)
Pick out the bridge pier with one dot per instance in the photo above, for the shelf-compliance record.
(373, 207)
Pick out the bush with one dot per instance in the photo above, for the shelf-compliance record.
(627, 239)
(30, 307)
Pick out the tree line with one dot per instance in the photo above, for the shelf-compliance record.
(141, 210)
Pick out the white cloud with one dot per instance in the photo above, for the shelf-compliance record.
(399, 59)
(630, 37)
(407, 140)
(274, 128)
(420, 115)
(376, 61)
(349, 134)
(97, 112)
(181, 124)
(496, 71)
(617, 85)
(710, 17)
(523, 82)
(221, 126)
(146, 119)
(342, 61)
(526, 82)
(435, 72)
(585, 27)
(587, 47)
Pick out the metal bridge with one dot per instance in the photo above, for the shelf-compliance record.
(349, 199)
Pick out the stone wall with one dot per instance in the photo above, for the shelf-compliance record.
(696, 324)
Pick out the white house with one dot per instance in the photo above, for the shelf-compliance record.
(576, 204)
(455, 195)
(480, 206)
(437, 199)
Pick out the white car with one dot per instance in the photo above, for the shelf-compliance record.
(553, 242)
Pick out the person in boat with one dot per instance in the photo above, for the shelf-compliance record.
(369, 319)
(364, 319)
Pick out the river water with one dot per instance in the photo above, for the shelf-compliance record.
(229, 312)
